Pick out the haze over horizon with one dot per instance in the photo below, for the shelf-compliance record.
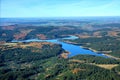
(59, 8)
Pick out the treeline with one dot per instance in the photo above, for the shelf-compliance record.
(96, 59)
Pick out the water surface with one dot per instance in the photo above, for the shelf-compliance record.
(73, 49)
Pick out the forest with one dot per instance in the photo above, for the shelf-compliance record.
(17, 63)
(43, 60)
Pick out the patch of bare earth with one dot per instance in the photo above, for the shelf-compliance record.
(112, 57)
(97, 34)
(41, 36)
(6, 46)
(26, 31)
(38, 45)
(22, 34)
(86, 35)
(26, 65)
(83, 35)
(112, 33)
(76, 70)
(64, 55)
(75, 60)
(107, 66)
(35, 44)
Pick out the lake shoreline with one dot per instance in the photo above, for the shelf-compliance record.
(73, 48)
(106, 53)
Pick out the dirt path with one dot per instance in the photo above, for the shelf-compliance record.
(112, 56)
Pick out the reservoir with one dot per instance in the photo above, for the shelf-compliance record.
(73, 49)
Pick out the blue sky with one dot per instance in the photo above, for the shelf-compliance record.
(59, 8)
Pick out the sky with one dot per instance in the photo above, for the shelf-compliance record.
(59, 8)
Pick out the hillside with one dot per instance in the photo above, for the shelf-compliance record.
(49, 61)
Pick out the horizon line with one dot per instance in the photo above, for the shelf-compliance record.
(61, 17)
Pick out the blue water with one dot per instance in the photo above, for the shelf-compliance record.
(73, 49)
